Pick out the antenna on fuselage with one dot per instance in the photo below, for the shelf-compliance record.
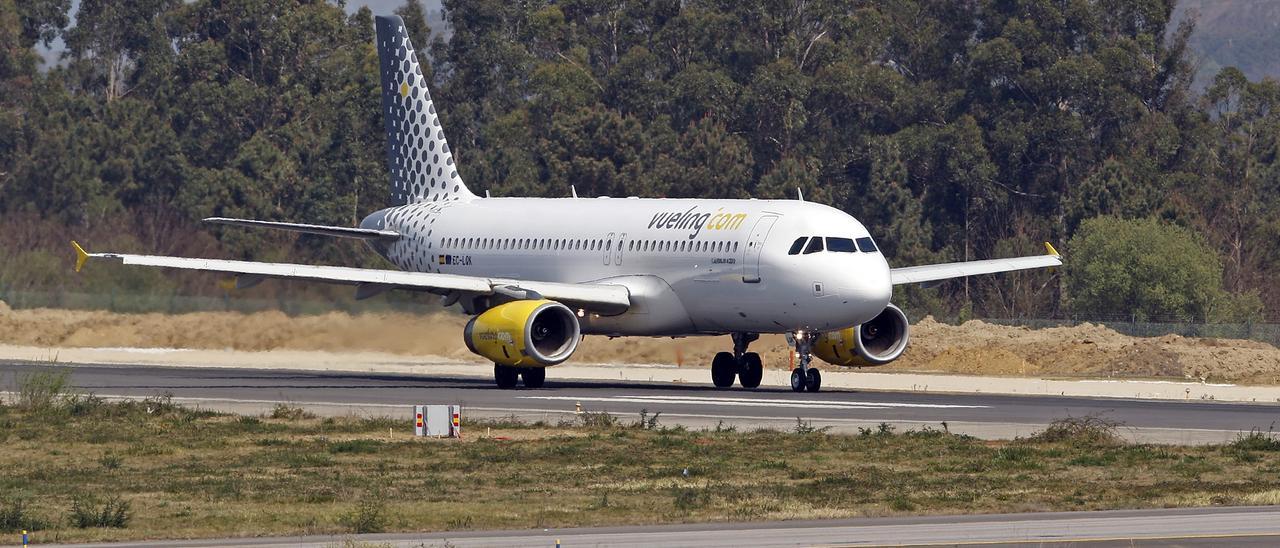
(799, 194)
(486, 193)
(573, 190)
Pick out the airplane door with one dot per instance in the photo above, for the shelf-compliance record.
(608, 249)
(617, 255)
(751, 256)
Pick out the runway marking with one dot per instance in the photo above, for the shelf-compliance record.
(752, 402)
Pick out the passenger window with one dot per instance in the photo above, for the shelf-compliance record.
(866, 245)
(841, 245)
(797, 245)
(815, 245)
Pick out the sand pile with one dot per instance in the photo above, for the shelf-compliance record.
(972, 348)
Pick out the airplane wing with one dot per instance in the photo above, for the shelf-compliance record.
(602, 298)
(937, 272)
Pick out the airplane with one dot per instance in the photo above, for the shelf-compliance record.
(539, 274)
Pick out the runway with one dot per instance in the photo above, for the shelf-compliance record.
(693, 405)
(1252, 526)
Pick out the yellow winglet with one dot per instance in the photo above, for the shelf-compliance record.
(1051, 250)
(81, 255)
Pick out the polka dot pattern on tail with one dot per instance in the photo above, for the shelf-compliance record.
(417, 153)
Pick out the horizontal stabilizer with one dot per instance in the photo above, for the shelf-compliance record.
(321, 230)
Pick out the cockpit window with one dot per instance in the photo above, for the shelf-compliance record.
(866, 245)
(841, 245)
(798, 245)
(815, 245)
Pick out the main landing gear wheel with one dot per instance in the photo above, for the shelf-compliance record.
(723, 369)
(533, 377)
(750, 370)
(505, 376)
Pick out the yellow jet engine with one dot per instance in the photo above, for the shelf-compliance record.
(525, 333)
(876, 342)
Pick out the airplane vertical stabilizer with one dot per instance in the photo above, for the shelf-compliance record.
(418, 157)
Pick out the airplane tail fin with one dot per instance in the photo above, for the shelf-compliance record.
(418, 157)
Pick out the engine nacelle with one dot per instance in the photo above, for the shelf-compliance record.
(876, 342)
(528, 333)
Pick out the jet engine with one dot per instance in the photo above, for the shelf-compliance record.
(528, 333)
(876, 342)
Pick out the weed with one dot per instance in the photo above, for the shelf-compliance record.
(1255, 440)
(647, 421)
(356, 446)
(89, 512)
(43, 391)
(1090, 430)
(804, 427)
(110, 461)
(688, 499)
(16, 516)
(290, 412)
(464, 522)
(598, 419)
(722, 428)
(369, 516)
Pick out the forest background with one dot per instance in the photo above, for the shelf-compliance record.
(955, 130)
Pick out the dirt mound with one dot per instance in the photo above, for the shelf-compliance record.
(972, 348)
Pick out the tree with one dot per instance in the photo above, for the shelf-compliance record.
(1150, 271)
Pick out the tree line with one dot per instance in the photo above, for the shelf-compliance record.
(953, 130)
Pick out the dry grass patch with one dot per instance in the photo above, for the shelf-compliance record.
(184, 473)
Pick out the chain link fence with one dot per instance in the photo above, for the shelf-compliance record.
(173, 303)
(415, 303)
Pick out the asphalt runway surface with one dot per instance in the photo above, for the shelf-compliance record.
(693, 405)
(1250, 527)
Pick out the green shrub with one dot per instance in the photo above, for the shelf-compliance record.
(367, 517)
(16, 516)
(89, 512)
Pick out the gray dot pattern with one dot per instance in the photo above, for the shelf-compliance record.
(418, 250)
(418, 157)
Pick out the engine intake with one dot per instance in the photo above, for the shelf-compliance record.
(529, 333)
(876, 342)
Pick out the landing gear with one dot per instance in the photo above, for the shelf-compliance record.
(750, 370)
(746, 366)
(723, 369)
(505, 376)
(803, 377)
(533, 377)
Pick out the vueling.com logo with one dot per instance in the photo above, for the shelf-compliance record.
(694, 221)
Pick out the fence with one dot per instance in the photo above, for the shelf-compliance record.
(1263, 332)
(172, 303)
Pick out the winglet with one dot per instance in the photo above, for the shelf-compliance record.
(81, 256)
(1048, 246)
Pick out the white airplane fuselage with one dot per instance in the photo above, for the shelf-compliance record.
(692, 266)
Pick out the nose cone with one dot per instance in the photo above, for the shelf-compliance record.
(868, 288)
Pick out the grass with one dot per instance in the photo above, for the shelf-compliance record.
(77, 468)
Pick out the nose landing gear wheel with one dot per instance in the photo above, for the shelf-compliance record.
(750, 370)
(814, 381)
(799, 380)
(723, 369)
(533, 377)
(505, 376)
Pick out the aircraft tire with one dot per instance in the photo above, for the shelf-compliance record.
(723, 369)
(798, 381)
(751, 370)
(814, 382)
(505, 377)
(533, 377)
